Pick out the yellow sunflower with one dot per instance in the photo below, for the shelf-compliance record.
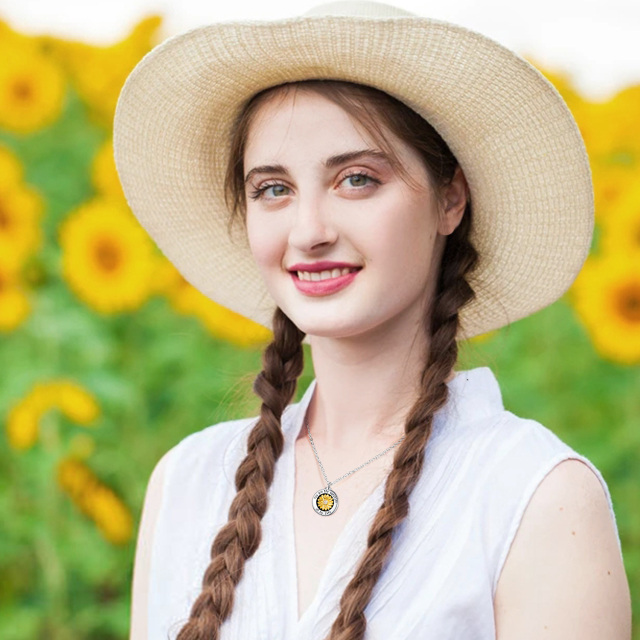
(621, 228)
(103, 172)
(99, 72)
(606, 297)
(610, 181)
(22, 426)
(228, 325)
(612, 128)
(220, 321)
(167, 280)
(75, 402)
(96, 500)
(14, 303)
(625, 132)
(32, 87)
(21, 208)
(11, 169)
(108, 259)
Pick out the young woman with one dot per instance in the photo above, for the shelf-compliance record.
(395, 184)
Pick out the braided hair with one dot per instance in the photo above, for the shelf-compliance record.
(283, 361)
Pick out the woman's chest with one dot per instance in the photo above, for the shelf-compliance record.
(316, 537)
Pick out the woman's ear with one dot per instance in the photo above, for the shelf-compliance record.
(454, 202)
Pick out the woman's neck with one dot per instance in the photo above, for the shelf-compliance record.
(364, 390)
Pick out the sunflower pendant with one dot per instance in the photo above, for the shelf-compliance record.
(325, 502)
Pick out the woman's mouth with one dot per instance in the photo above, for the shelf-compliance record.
(320, 283)
(324, 275)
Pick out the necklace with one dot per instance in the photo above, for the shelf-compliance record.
(325, 501)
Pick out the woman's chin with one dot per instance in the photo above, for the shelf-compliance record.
(329, 331)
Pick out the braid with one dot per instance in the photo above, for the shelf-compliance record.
(240, 537)
(453, 292)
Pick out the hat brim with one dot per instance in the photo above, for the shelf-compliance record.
(511, 131)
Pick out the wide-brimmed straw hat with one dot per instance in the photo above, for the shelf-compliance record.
(512, 133)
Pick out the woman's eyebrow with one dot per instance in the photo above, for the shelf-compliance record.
(329, 163)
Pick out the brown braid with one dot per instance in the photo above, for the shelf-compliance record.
(239, 539)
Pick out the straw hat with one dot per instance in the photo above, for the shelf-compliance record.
(512, 133)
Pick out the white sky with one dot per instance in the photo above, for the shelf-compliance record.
(596, 41)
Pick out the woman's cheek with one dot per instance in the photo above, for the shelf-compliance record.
(258, 240)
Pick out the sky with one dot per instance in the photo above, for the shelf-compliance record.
(594, 41)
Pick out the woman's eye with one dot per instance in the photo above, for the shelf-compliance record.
(277, 190)
(360, 179)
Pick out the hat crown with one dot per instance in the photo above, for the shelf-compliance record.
(357, 8)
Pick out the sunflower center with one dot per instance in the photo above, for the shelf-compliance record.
(628, 302)
(22, 90)
(107, 255)
(4, 218)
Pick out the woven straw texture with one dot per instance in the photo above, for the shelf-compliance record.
(512, 133)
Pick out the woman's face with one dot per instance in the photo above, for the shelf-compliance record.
(309, 200)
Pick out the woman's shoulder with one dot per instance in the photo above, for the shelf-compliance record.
(208, 448)
(522, 454)
(500, 431)
(212, 436)
(218, 446)
(521, 451)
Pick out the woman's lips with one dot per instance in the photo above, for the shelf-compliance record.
(323, 287)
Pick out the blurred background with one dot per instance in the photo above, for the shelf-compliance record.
(108, 357)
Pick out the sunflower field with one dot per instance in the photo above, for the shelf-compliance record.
(109, 357)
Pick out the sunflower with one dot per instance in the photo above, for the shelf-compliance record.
(71, 399)
(11, 169)
(96, 500)
(610, 181)
(14, 303)
(612, 131)
(220, 321)
(22, 426)
(167, 280)
(108, 259)
(103, 172)
(21, 208)
(621, 229)
(74, 401)
(227, 325)
(32, 87)
(97, 72)
(623, 127)
(606, 297)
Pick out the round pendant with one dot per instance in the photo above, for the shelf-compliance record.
(325, 502)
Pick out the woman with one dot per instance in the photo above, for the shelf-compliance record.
(358, 231)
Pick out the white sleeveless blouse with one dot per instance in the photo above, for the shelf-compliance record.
(482, 465)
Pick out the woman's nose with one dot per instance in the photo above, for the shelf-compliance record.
(312, 224)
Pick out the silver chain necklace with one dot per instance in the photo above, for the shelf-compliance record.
(325, 501)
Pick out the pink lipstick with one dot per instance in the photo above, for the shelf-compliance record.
(323, 287)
